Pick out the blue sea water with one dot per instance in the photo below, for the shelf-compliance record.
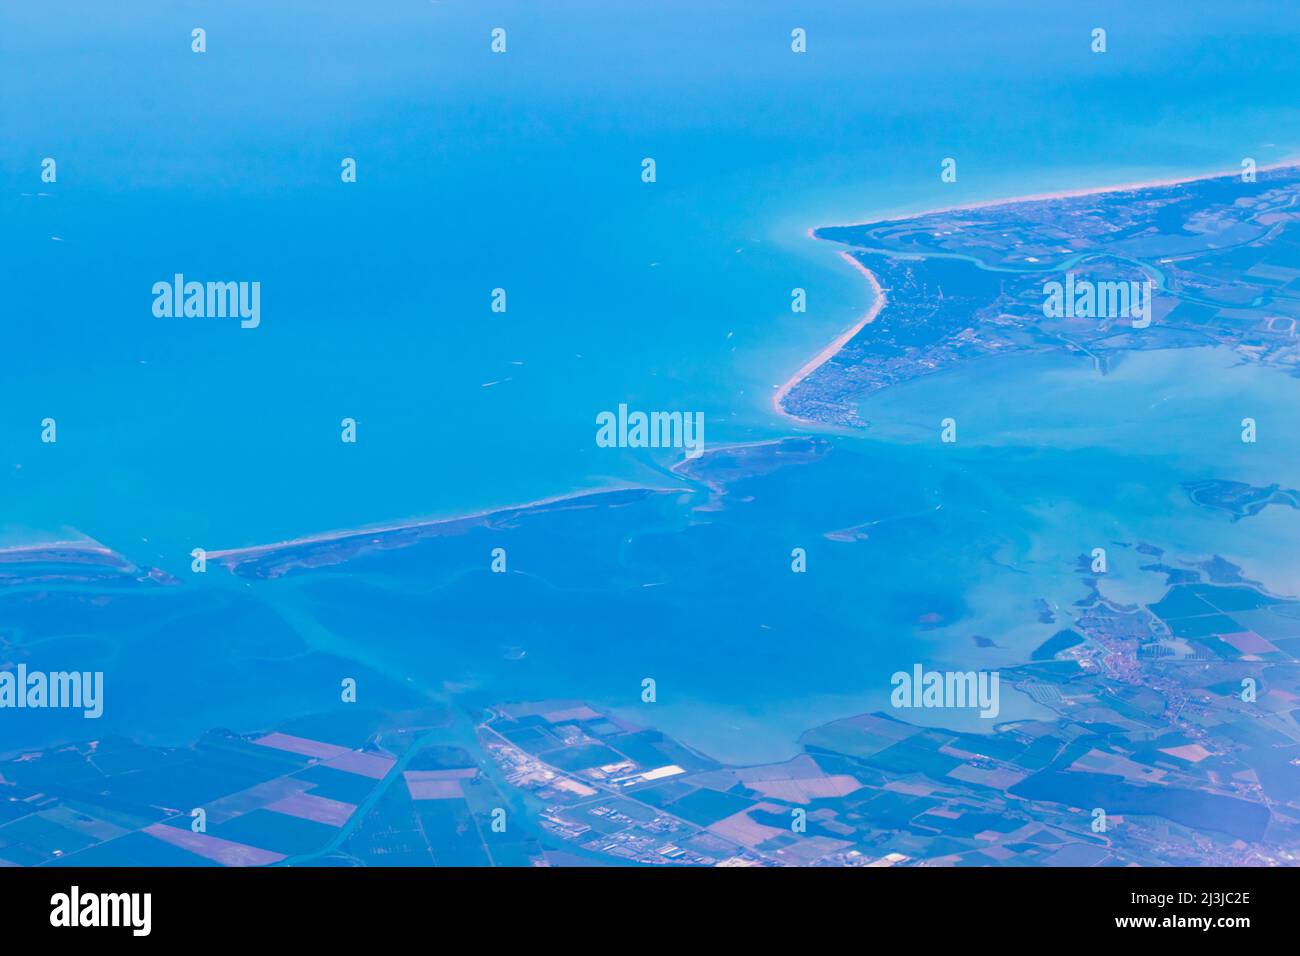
(518, 171)
(522, 171)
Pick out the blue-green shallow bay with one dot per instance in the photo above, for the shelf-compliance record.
(522, 171)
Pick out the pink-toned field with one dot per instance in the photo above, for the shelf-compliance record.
(302, 745)
(740, 828)
(306, 806)
(438, 784)
(374, 766)
(1248, 642)
(805, 791)
(225, 852)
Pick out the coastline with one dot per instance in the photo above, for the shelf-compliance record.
(420, 525)
(825, 355)
(84, 548)
(1288, 163)
(231, 555)
(81, 544)
(879, 301)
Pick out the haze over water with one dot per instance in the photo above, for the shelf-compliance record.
(523, 171)
(520, 171)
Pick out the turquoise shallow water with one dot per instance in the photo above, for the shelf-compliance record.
(522, 171)
(915, 550)
(519, 171)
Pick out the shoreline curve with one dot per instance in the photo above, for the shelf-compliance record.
(826, 354)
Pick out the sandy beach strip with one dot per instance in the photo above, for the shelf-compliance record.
(1288, 163)
(83, 551)
(83, 544)
(825, 355)
(822, 357)
(423, 524)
